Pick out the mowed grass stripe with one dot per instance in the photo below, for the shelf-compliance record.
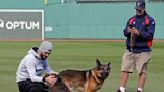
(82, 56)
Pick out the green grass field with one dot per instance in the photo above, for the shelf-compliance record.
(82, 56)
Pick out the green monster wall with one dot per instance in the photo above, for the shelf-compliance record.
(90, 21)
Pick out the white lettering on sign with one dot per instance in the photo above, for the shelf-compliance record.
(29, 25)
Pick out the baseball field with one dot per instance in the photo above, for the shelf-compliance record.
(82, 56)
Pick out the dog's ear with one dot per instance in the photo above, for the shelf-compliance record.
(109, 64)
(98, 62)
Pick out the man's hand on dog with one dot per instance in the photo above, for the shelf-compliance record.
(50, 79)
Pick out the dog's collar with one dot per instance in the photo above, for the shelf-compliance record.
(96, 78)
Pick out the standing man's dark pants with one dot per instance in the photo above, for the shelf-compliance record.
(28, 86)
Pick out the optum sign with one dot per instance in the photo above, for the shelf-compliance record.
(21, 24)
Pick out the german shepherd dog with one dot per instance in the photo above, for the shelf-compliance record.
(85, 81)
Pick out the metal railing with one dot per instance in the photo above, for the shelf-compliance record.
(104, 1)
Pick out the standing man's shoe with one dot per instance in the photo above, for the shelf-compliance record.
(118, 90)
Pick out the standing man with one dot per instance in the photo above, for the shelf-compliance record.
(139, 32)
(33, 65)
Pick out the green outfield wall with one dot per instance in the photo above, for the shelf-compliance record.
(67, 19)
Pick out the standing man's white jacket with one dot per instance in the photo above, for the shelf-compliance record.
(32, 67)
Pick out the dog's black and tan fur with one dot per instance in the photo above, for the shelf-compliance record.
(86, 81)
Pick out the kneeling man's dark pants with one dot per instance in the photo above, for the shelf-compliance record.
(28, 86)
